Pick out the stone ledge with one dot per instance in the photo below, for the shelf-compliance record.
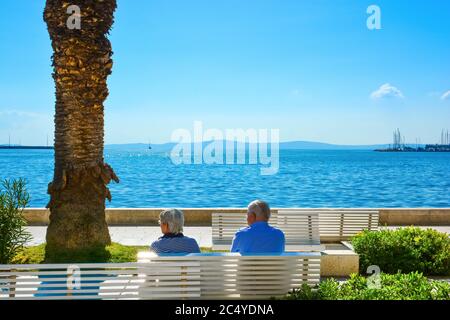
(415, 216)
(338, 260)
(202, 216)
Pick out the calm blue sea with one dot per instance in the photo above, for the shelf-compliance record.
(305, 179)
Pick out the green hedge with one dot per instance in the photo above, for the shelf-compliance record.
(411, 286)
(404, 250)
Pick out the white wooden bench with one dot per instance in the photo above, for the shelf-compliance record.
(235, 276)
(304, 229)
(105, 281)
(194, 276)
(301, 229)
(68, 281)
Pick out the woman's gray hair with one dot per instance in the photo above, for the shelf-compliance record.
(174, 219)
(260, 209)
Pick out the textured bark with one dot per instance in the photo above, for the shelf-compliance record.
(82, 62)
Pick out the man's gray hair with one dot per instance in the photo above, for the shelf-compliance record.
(260, 209)
(174, 219)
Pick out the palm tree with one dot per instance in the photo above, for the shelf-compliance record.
(81, 63)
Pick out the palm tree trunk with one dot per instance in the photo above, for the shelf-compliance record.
(82, 63)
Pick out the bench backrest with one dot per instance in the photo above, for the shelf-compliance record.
(301, 228)
(160, 279)
(342, 224)
(195, 276)
(232, 276)
(68, 281)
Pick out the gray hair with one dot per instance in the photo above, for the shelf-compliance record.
(260, 209)
(174, 219)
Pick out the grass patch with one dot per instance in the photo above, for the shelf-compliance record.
(30, 255)
(118, 253)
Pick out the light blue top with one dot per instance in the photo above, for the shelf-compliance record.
(178, 243)
(260, 237)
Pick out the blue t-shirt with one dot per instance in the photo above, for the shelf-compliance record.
(260, 237)
(175, 243)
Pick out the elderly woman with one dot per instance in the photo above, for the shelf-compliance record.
(173, 241)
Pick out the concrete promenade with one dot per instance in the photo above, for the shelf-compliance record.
(136, 236)
(145, 235)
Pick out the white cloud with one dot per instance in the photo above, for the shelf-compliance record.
(386, 91)
(446, 96)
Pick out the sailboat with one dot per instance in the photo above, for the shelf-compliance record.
(149, 146)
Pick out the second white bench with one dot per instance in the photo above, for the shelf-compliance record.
(301, 229)
(304, 229)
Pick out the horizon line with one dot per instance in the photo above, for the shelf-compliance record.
(224, 140)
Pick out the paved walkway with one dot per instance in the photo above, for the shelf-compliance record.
(145, 235)
(136, 236)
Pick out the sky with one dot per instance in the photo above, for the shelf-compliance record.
(311, 69)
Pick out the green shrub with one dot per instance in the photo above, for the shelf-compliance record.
(410, 286)
(13, 235)
(404, 250)
(30, 255)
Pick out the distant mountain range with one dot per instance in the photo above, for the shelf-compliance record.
(292, 145)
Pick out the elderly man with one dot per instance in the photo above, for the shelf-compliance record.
(173, 241)
(259, 236)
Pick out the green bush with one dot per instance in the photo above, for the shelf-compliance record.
(410, 286)
(13, 235)
(404, 250)
(30, 255)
